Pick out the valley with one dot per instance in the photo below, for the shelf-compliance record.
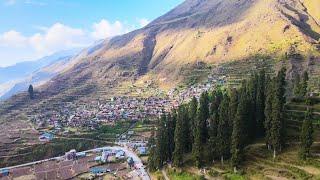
(200, 68)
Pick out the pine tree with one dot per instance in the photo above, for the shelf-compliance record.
(304, 84)
(161, 153)
(31, 92)
(306, 135)
(260, 104)
(251, 91)
(152, 154)
(192, 110)
(224, 129)
(233, 104)
(268, 111)
(296, 85)
(203, 116)
(170, 132)
(238, 138)
(277, 131)
(197, 148)
(216, 98)
(179, 139)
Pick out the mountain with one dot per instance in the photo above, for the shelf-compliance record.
(210, 32)
(18, 77)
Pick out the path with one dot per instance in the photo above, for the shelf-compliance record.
(164, 173)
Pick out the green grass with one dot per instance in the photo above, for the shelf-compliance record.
(233, 176)
(175, 175)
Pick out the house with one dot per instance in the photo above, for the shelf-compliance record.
(71, 155)
(4, 172)
(130, 162)
(46, 137)
(120, 154)
(98, 170)
(81, 154)
(142, 150)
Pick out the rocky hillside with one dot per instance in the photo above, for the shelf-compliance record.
(206, 31)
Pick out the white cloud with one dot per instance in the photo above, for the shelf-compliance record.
(17, 47)
(12, 39)
(104, 29)
(143, 22)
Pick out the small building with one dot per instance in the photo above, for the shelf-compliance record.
(4, 172)
(98, 170)
(120, 154)
(71, 155)
(81, 154)
(142, 150)
(130, 162)
(46, 137)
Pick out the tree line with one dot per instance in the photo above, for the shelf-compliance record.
(220, 124)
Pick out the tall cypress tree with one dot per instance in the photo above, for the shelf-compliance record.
(192, 110)
(161, 142)
(260, 104)
(304, 84)
(251, 91)
(170, 132)
(216, 98)
(179, 139)
(233, 104)
(31, 92)
(238, 137)
(268, 111)
(203, 116)
(306, 135)
(277, 132)
(224, 129)
(197, 148)
(152, 154)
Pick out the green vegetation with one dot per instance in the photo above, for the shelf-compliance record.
(30, 91)
(229, 125)
(175, 175)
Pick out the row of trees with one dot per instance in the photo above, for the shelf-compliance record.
(222, 123)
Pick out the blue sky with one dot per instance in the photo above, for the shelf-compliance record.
(30, 29)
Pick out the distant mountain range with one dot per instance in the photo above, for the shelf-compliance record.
(17, 78)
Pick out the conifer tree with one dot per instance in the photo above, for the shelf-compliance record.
(296, 85)
(152, 154)
(233, 104)
(306, 135)
(237, 138)
(161, 142)
(192, 110)
(224, 130)
(31, 92)
(304, 84)
(170, 132)
(216, 98)
(260, 104)
(277, 131)
(268, 111)
(203, 116)
(179, 139)
(197, 148)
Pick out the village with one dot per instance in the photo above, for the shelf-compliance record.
(91, 115)
(109, 162)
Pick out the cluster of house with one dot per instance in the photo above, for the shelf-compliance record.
(180, 96)
(92, 114)
(140, 147)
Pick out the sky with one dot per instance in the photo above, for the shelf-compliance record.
(31, 29)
